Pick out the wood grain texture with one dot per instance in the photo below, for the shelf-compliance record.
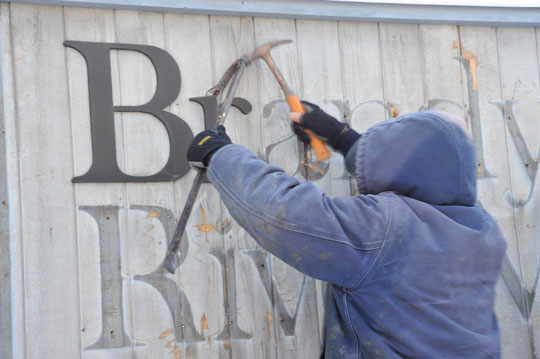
(17, 344)
(95, 26)
(321, 81)
(188, 40)
(84, 258)
(294, 304)
(442, 69)
(362, 81)
(146, 150)
(479, 46)
(533, 253)
(47, 196)
(244, 321)
(402, 66)
(520, 85)
(363, 103)
(6, 332)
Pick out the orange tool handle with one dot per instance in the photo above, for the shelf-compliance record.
(316, 143)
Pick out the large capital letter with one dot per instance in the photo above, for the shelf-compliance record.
(184, 328)
(112, 334)
(104, 166)
(231, 330)
(287, 321)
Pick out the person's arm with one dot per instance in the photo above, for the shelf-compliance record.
(332, 239)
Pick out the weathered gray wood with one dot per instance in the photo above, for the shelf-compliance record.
(231, 38)
(520, 84)
(47, 195)
(363, 103)
(93, 200)
(281, 148)
(294, 303)
(401, 59)
(188, 41)
(321, 82)
(16, 292)
(6, 331)
(146, 150)
(480, 59)
(61, 300)
(535, 285)
(362, 74)
(442, 71)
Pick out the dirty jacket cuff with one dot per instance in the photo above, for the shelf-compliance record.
(350, 158)
(346, 140)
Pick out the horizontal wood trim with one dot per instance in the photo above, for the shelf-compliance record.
(324, 10)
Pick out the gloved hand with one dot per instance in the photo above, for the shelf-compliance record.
(205, 144)
(335, 133)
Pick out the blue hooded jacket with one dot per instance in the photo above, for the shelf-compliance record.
(412, 260)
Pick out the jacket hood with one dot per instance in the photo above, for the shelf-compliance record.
(422, 155)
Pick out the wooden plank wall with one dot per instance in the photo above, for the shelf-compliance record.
(79, 262)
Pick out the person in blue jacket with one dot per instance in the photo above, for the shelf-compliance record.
(412, 260)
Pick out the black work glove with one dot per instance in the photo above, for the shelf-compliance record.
(205, 144)
(335, 133)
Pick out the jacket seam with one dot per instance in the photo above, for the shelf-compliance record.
(360, 163)
(382, 247)
(350, 324)
(288, 226)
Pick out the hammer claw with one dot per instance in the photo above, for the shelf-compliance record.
(263, 50)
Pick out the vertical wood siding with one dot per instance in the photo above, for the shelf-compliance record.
(5, 243)
(229, 298)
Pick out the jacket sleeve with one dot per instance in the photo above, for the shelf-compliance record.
(332, 239)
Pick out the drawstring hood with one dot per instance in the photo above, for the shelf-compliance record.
(423, 155)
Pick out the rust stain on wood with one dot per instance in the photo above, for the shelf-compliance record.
(177, 352)
(204, 323)
(474, 65)
(269, 318)
(166, 333)
(394, 112)
(154, 213)
(204, 227)
(472, 60)
(227, 345)
(459, 39)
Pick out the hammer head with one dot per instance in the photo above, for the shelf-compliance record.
(262, 51)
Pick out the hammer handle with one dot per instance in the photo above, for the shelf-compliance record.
(316, 143)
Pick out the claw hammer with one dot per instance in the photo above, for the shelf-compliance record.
(321, 152)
